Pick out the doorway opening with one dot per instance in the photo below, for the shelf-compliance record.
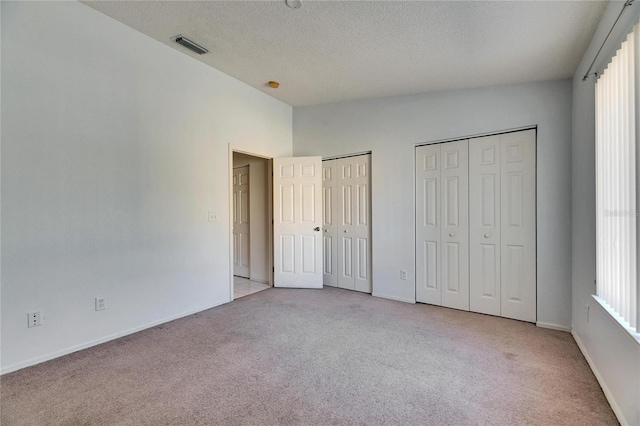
(251, 218)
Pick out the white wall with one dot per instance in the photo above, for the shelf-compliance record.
(612, 353)
(114, 148)
(391, 127)
(258, 215)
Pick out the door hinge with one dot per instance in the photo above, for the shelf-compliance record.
(273, 269)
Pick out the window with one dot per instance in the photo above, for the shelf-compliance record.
(616, 179)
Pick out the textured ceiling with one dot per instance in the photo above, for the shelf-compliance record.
(328, 51)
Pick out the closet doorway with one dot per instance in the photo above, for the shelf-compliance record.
(346, 222)
(476, 224)
(251, 231)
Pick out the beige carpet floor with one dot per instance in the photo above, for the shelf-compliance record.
(316, 357)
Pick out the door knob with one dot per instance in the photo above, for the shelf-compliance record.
(326, 230)
(487, 235)
(345, 231)
(317, 228)
(451, 234)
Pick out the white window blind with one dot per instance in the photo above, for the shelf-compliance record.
(616, 204)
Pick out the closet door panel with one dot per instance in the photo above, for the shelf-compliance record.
(455, 224)
(347, 226)
(361, 220)
(484, 225)
(518, 223)
(329, 223)
(345, 191)
(428, 211)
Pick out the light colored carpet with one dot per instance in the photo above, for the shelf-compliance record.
(317, 357)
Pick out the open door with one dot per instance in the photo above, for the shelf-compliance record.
(297, 218)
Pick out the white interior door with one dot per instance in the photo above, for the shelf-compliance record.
(484, 224)
(518, 223)
(354, 241)
(297, 213)
(455, 224)
(329, 223)
(428, 279)
(241, 236)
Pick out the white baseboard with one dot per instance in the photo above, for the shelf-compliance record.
(398, 299)
(603, 385)
(553, 326)
(40, 359)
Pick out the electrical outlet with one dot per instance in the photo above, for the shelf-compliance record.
(587, 314)
(403, 274)
(101, 304)
(35, 319)
(213, 217)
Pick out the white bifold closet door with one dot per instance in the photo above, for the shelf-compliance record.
(329, 223)
(347, 222)
(503, 225)
(485, 224)
(442, 225)
(496, 269)
(518, 223)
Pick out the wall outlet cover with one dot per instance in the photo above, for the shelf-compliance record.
(101, 304)
(34, 319)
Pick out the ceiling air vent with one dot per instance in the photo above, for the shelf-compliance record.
(191, 45)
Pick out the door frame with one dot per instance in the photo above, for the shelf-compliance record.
(236, 149)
